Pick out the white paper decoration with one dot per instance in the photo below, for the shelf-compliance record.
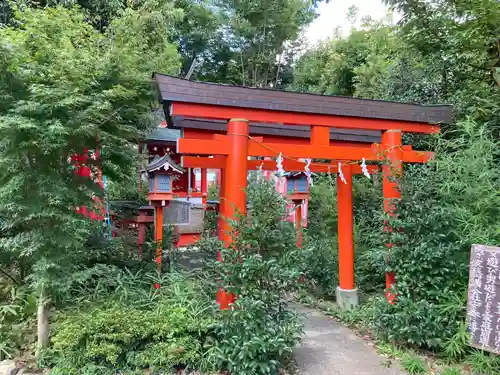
(307, 172)
(279, 166)
(364, 169)
(341, 174)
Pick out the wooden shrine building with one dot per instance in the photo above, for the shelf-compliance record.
(228, 127)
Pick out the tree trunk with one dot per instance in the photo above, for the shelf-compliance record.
(42, 322)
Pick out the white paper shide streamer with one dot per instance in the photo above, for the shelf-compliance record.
(260, 172)
(364, 169)
(307, 172)
(341, 174)
(279, 166)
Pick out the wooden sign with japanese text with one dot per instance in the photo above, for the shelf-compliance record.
(483, 307)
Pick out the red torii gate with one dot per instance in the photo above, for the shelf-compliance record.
(265, 123)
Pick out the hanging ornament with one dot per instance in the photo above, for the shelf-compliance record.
(307, 172)
(364, 169)
(260, 172)
(341, 174)
(279, 166)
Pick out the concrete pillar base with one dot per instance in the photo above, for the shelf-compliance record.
(347, 299)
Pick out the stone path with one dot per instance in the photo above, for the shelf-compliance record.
(329, 348)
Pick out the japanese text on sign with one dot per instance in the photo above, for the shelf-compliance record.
(483, 308)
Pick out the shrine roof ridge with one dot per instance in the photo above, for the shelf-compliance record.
(174, 89)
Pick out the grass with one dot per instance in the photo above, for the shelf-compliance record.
(451, 371)
(414, 364)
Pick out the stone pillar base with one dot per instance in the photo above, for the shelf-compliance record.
(347, 299)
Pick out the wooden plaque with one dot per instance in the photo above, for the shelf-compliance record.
(483, 305)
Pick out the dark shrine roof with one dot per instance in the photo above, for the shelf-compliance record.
(164, 162)
(163, 135)
(173, 89)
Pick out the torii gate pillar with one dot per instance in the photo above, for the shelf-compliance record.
(233, 190)
(236, 171)
(346, 293)
(392, 170)
(221, 180)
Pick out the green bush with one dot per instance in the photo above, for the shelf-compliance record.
(415, 323)
(137, 327)
(322, 209)
(370, 261)
(413, 364)
(481, 362)
(17, 319)
(256, 333)
(319, 263)
(448, 204)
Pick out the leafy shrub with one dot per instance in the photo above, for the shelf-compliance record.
(447, 205)
(319, 259)
(17, 313)
(135, 328)
(482, 362)
(253, 336)
(370, 259)
(451, 371)
(417, 323)
(413, 364)
(319, 263)
(322, 220)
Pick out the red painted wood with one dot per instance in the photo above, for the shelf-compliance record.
(345, 230)
(392, 170)
(236, 173)
(298, 224)
(221, 147)
(186, 239)
(294, 118)
(204, 185)
(270, 165)
(320, 135)
(158, 236)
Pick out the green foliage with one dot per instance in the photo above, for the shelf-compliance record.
(65, 88)
(266, 232)
(413, 364)
(257, 331)
(252, 35)
(134, 327)
(333, 66)
(457, 346)
(370, 257)
(318, 262)
(17, 307)
(323, 207)
(449, 204)
(483, 363)
(319, 257)
(451, 371)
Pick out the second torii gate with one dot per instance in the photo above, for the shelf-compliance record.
(218, 122)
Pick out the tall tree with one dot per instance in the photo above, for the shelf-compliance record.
(459, 42)
(256, 36)
(66, 88)
(331, 67)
